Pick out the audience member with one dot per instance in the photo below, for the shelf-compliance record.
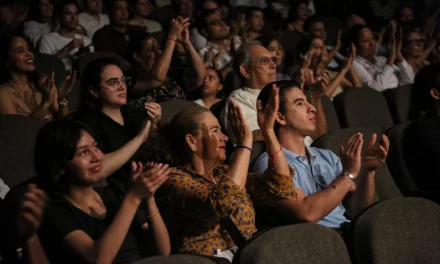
(119, 132)
(413, 49)
(22, 91)
(404, 16)
(41, 20)
(92, 19)
(325, 184)
(353, 20)
(83, 224)
(142, 10)
(210, 25)
(298, 15)
(422, 136)
(210, 91)
(116, 36)
(203, 198)
(378, 72)
(65, 43)
(255, 23)
(161, 75)
(12, 15)
(277, 51)
(184, 8)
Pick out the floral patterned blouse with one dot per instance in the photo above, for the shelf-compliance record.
(193, 205)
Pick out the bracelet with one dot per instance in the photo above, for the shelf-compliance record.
(63, 103)
(244, 147)
(351, 176)
(271, 156)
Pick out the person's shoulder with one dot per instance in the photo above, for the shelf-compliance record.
(51, 36)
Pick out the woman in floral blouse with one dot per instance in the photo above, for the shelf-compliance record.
(202, 195)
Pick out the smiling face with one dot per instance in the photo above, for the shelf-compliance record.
(414, 44)
(86, 165)
(112, 91)
(210, 143)
(277, 51)
(296, 113)
(21, 58)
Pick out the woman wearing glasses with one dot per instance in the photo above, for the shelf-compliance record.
(119, 133)
(414, 50)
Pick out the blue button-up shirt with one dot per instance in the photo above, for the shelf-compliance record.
(311, 178)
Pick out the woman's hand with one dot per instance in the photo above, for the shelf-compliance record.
(31, 211)
(392, 51)
(66, 86)
(318, 85)
(145, 130)
(49, 91)
(177, 26)
(146, 183)
(349, 61)
(267, 116)
(399, 44)
(240, 128)
(154, 112)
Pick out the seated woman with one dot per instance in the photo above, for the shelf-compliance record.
(421, 141)
(161, 75)
(278, 53)
(298, 15)
(415, 51)
(102, 225)
(377, 72)
(119, 131)
(314, 56)
(210, 92)
(208, 206)
(22, 92)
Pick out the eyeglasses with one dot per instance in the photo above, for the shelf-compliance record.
(266, 60)
(114, 84)
(416, 41)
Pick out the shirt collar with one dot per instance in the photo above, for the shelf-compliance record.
(293, 156)
(252, 90)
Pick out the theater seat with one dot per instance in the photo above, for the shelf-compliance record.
(172, 107)
(17, 141)
(400, 230)
(399, 103)
(301, 243)
(386, 188)
(177, 259)
(363, 107)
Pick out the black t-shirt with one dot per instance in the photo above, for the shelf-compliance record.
(421, 149)
(62, 218)
(109, 134)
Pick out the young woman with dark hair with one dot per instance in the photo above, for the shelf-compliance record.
(22, 92)
(83, 224)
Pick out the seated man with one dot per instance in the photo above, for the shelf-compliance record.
(256, 68)
(326, 185)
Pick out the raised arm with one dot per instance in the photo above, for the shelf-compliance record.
(197, 62)
(104, 249)
(314, 207)
(160, 68)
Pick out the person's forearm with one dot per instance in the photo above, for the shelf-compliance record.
(34, 252)
(162, 65)
(106, 248)
(257, 135)
(355, 78)
(364, 194)
(335, 82)
(318, 205)
(278, 161)
(113, 161)
(321, 120)
(197, 63)
(159, 229)
(240, 164)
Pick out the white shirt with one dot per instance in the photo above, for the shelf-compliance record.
(4, 189)
(381, 76)
(226, 58)
(199, 102)
(52, 42)
(197, 39)
(91, 24)
(35, 30)
(150, 25)
(246, 98)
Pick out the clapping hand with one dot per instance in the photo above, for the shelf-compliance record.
(67, 85)
(146, 183)
(154, 112)
(375, 156)
(351, 155)
(267, 115)
(239, 126)
(31, 211)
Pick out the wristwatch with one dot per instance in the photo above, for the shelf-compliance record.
(63, 103)
(351, 176)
